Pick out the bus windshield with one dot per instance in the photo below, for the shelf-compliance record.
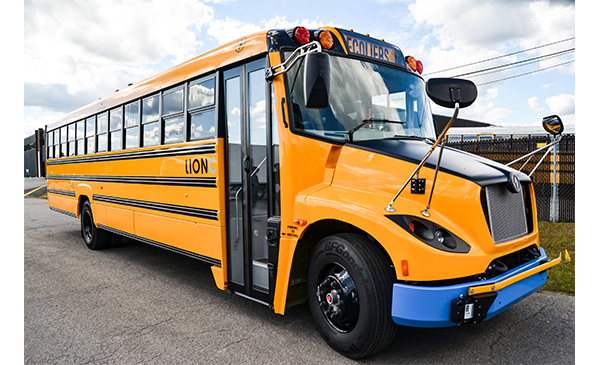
(366, 101)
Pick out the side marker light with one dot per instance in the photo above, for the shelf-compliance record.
(300, 221)
(404, 268)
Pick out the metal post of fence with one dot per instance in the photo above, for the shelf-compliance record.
(554, 193)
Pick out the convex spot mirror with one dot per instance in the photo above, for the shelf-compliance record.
(447, 92)
(316, 80)
(553, 125)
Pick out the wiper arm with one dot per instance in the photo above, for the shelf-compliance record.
(403, 136)
(365, 121)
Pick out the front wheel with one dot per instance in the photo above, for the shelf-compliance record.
(350, 295)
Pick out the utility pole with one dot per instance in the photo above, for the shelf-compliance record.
(554, 191)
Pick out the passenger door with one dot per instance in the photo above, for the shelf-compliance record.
(253, 160)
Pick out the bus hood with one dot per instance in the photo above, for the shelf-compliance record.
(465, 165)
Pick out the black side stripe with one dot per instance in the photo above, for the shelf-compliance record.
(205, 182)
(167, 208)
(62, 192)
(155, 153)
(164, 246)
(63, 212)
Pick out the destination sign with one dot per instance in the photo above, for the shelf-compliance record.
(364, 46)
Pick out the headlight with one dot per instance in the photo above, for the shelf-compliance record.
(431, 234)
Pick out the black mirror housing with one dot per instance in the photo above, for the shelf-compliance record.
(553, 125)
(447, 92)
(316, 80)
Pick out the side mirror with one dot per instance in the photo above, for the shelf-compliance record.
(316, 80)
(553, 125)
(447, 92)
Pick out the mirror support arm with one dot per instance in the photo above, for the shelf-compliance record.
(442, 135)
(300, 52)
(533, 153)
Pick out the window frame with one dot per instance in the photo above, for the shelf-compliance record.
(118, 131)
(148, 122)
(80, 148)
(173, 116)
(192, 111)
(138, 123)
(103, 134)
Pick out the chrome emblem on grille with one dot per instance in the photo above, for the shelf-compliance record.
(514, 185)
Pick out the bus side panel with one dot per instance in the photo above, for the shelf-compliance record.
(185, 235)
(63, 203)
(99, 213)
(120, 219)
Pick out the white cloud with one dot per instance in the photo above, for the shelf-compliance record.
(464, 31)
(229, 29)
(97, 46)
(534, 104)
(489, 23)
(132, 32)
(562, 105)
(482, 110)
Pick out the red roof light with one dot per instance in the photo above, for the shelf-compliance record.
(302, 35)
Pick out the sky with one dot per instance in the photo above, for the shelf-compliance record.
(75, 52)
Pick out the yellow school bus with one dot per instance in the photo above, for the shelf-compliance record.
(303, 166)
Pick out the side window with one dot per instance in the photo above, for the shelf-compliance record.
(50, 144)
(173, 115)
(116, 129)
(71, 139)
(63, 141)
(150, 119)
(102, 124)
(132, 125)
(201, 103)
(90, 134)
(80, 137)
(56, 143)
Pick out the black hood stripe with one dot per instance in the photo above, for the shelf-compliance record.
(465, 165)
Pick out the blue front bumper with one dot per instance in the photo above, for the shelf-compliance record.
(420, 306)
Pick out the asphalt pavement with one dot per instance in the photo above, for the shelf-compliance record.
(140, 304)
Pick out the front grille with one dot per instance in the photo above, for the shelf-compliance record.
(505, 212)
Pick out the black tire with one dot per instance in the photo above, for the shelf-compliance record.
(350, 295)
(94, 237)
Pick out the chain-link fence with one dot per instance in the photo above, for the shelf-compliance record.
(554, 179)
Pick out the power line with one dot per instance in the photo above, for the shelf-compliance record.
(527, 73)
(521, 63)
(515, 66)
(497, 57)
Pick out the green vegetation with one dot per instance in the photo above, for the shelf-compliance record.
(555, 238)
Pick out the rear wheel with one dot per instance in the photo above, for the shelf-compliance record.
(350, 295)
(94, 237)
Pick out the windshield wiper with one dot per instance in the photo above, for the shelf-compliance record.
(365, 121)
(409, 137)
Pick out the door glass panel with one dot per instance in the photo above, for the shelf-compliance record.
(258, 178)
(236, 223)
(276, 188)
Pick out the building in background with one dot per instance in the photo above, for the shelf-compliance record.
(35, 155)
